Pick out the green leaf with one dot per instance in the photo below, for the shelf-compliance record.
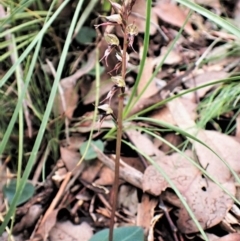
(9, 191)
(132, 233)
(86, 35)
(90, 152)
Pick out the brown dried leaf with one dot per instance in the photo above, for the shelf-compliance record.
(147, 71)
(19, 237)
(212, 3)
(227, 221)
(45, 228)
(105, 85)
(225, 146)
(208, 202)
(69, 232)
(176, 166)
(91, 171)
(229, 237)
(173, 14)
(142, 142)
(173, 57)
(139, 18)
(134, 162)
(165, 115)
(238, 127)
(204, 78)
(145, 212)
(70, 157)
(106, 177)
(127, 198)
(32, 215)
(70, 93)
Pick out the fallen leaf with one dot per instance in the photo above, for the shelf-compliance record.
(29, 218)
(106, 177)
(237, 134)
(91, 171)
(155, 183)
(142, 142)
(70, 157)
(5, 237)
(229, 237)
(228, 149)
(134, 162)
(174, 57)
(67, 231)
(226, 226)
(147, 71)
(204, 78)
(127, 198)
(165, 115)
(173, 139)
(105, 86)
(45, 228)
(140, 17)
(173, 14)
(225, 146)
(207, 201)
(145, 212)
(66, 102)
(211, 3)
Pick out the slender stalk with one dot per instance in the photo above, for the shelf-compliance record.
(119, 139)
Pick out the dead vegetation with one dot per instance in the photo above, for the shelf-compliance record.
(179, 158)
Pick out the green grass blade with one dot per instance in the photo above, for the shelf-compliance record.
(33, 43)
(144, 55)
(21, 27)
(210, 15)
(85, 15)
(163, 102)
(184, 133)
(161, 63)
(180, 196)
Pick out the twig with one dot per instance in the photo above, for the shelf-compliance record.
(172, 225)
(126, 172)
(57, 198)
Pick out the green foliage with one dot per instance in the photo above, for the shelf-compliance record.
(86, 35)
(133, 233)
(87, 150)
(9, 190)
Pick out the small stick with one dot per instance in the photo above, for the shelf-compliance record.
(57, 198)
(172, 225)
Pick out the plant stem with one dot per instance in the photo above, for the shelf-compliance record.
(119, 140)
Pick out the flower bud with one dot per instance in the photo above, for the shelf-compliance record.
(114, 18)
(106, 109)
(132, 29)
(116, 6)
(119, 56)
(111, 39)
(118, 80)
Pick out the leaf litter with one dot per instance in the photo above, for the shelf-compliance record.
(80, 193)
